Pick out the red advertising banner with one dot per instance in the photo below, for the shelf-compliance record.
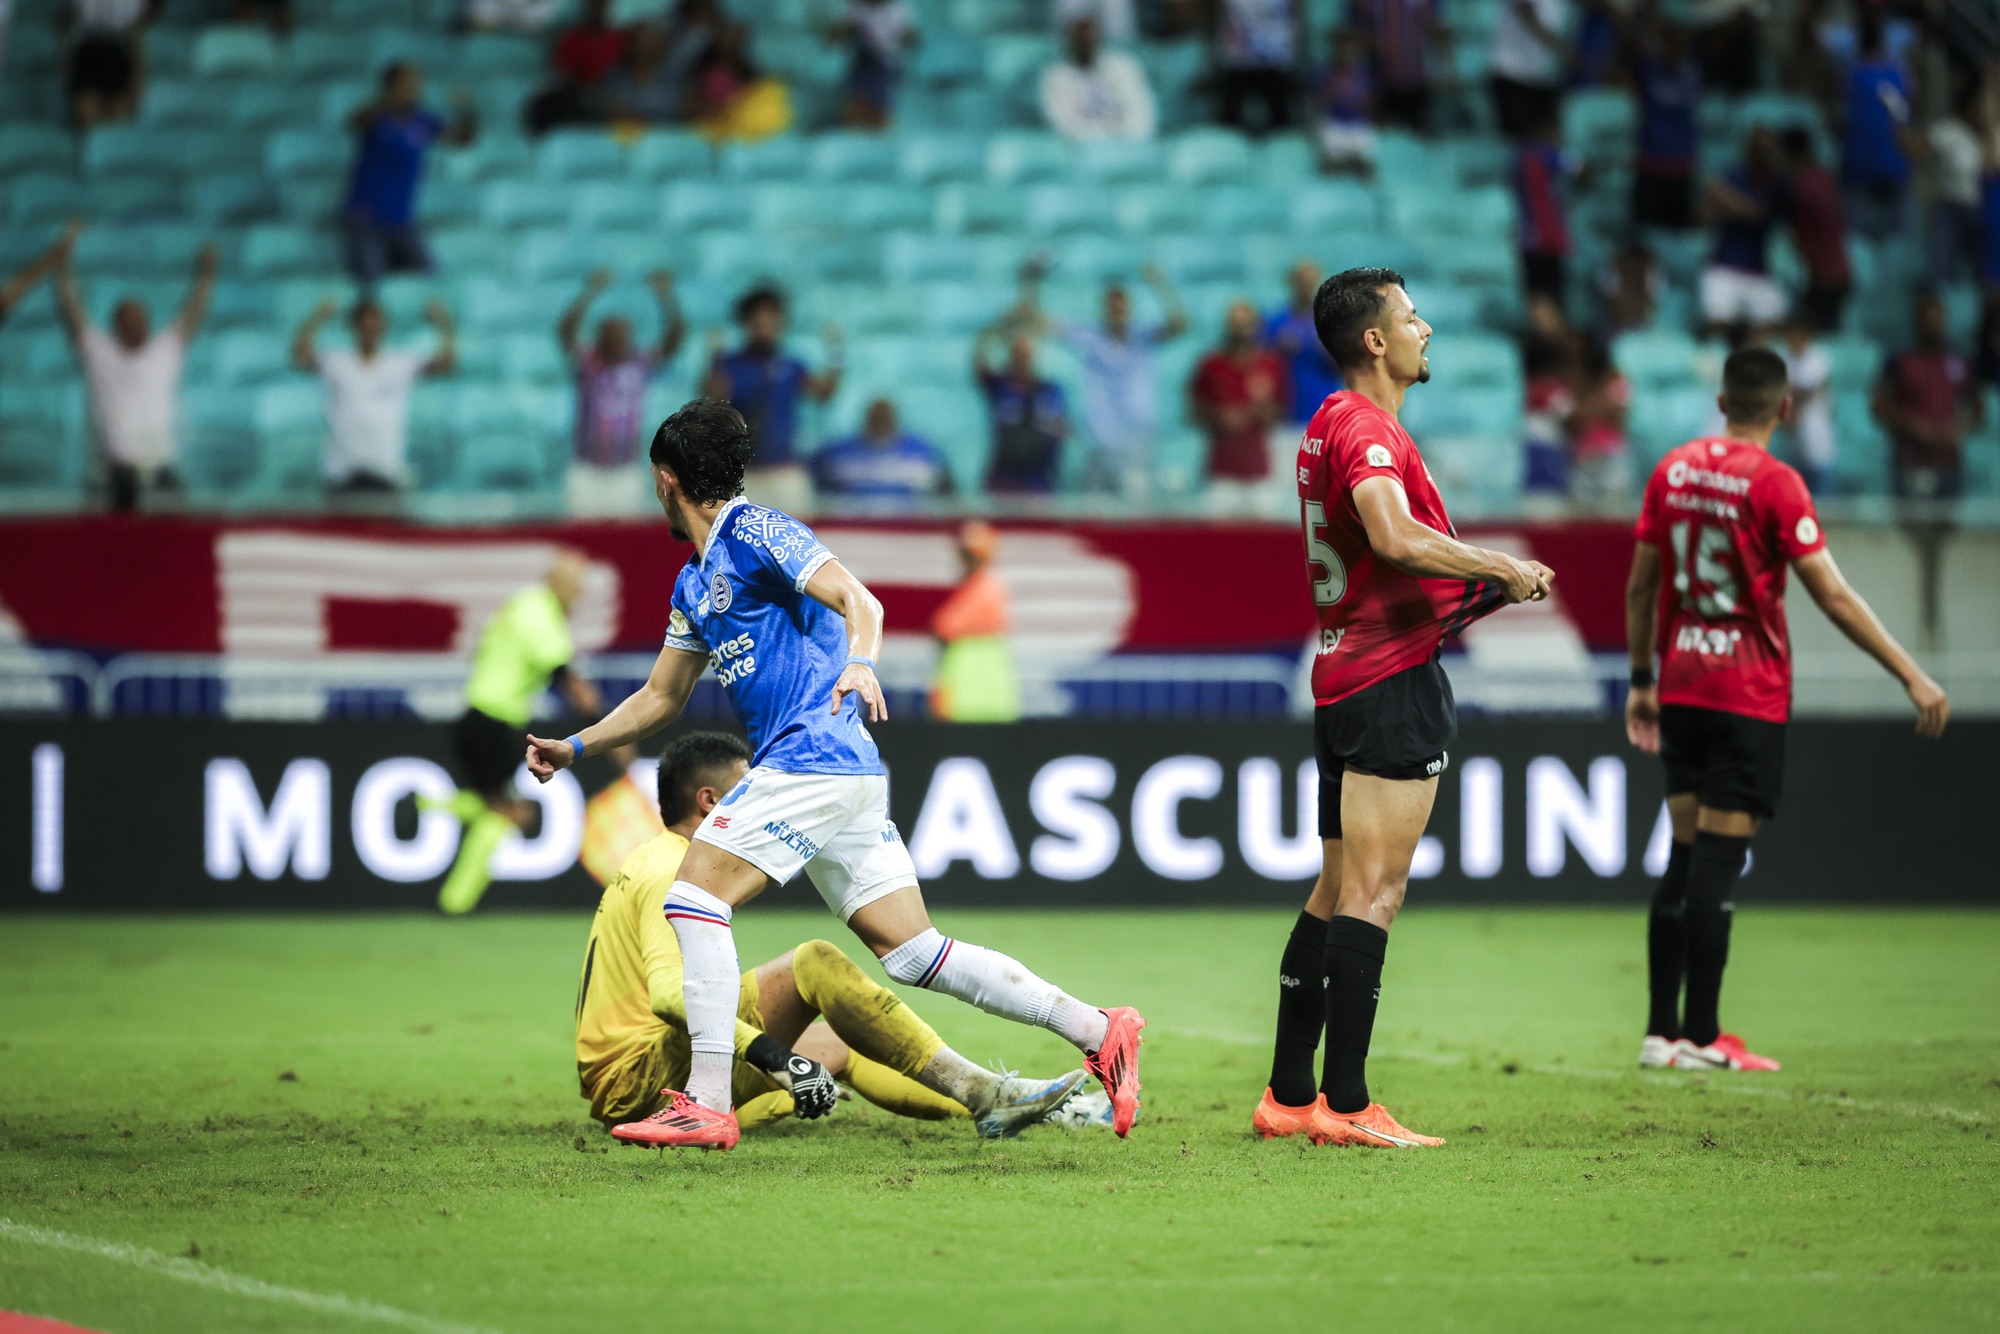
(299, 589)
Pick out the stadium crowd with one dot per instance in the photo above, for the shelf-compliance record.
(1673, 185)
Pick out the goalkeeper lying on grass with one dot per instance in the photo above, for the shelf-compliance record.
(804, 1020)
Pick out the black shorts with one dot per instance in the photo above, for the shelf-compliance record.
(489, 751)
(1732, 763)
(1397, 728)
(1545, 274)
(1663, 200)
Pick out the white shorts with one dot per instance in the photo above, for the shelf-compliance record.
(835, 826)
(1732, 295)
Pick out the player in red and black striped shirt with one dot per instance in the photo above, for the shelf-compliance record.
(1389, 580)
(1721, 523)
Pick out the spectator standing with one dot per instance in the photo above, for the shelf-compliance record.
(1928, 401)
(976, 681)
(767, 385)
(1346, 104)
(733, 99)
(1121, 412)
(881, 463)
(107, 59)
(1237, 394)
(1957, 146)
(649, 86)
(1400, 36)
(367, 389)
(1092, 93)
(612, 374)
(1289, 331)
(1529, 62)
(1819, 230)
(1028, 416)
(1874, 170)
(1543, 235)
(132, 376)
(1666, 81)
(583, 56)
(1600, 472)
(1809, 429)
(1630, 287)
(523, 16)
(1738, 293)
(1732, 44)
(15, 290)
(1549, 372)
(1256, 58)
(393, 134)
(879, 34)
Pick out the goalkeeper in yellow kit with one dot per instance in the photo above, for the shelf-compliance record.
(803, 1020)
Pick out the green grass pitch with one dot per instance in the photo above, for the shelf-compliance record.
(340, 1124)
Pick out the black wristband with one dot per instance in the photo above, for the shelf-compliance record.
(1642, 678)
(767, 1054)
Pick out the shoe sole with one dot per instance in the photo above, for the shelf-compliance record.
(1037, 1112)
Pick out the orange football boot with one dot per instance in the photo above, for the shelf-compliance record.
(1274, 1120)
(1372, 1127)
(1116, 1065)
(682, 1124)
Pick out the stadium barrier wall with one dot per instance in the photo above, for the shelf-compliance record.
(166, 815)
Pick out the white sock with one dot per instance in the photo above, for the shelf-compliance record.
(995, 983)
(959, 1079)
(711, 982)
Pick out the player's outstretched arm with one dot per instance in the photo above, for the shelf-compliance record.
(832, 585)
(1857, 620)
(1642, 597)
(642, 713)
(1418, 549)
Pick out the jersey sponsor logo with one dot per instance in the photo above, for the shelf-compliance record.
(737, 791)
(1305, 479)
(792, 839)
(1378, 456)
(1720, 508)
(1314, 444)
(1329, 640)
(1681, 473)
(701, 607)
(1709, 643)
(890, 834)
(719, 595)
(732, 659)
(1808, 530)
(1436, 766)
(720, 822)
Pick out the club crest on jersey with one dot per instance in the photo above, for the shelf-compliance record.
(1807, 531)
(719, 595)
(1378, 457)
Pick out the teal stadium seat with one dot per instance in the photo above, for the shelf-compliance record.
(849, 156)
(790, 210)
(514, 205)
(276, 250)
(27, 149)
(1236, 210)
(132, 198)
(366, 15)
(861, 309)
(954, 419)
(1089, 260)
(931, 158)
(1209, 157)
(289, 419)
(1200, 259)
(1146, 209)
(315, 53)
(507, 437)
(230, 199)
(242, 305)
(635, 253)
(1286, 161)
(557, 256)
(981, 208)
(916, 258)
(699, 205)
(42, 443)
(740, 257)
(1119, 161)
(435, 51)
(580, 155)
(528, 359)
(312, 202)
(672, 155)
(965, 307)
(782, 158)
(1065, 210)
(496, 55)
(290, 154)
(946, 58)
(218, 445)
(1600, 124)
(243, 357)
(339, 101)
(41, 198)
(615, 205)
(468, 251)
(1025, 157)
(488, 158)
(182, 104)
(928, 359)
(234, 52)
(879, 209)
(1014, 61)
(1335, 206)
(258, 106)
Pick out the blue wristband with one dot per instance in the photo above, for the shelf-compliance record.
(575, 740)
(869, 663)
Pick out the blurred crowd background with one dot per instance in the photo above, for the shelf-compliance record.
(453, 259)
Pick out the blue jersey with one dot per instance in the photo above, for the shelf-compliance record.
(775, 650)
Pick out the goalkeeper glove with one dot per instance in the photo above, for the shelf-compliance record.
(811, 1085)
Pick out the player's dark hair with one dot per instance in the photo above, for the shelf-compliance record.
(764, 294)
(1754, 384)
(1346, 307)
(707, 444)
(693, 762)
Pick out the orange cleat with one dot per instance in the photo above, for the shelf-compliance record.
(1274, 1120)
(682, 1124)
(1116, 1065)
(1372, 1127)
(1725, 1053)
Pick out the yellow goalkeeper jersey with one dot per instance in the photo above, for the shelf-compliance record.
(629, 997)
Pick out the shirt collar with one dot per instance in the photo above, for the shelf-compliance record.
(721, 516)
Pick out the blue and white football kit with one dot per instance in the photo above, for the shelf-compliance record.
(816, 796)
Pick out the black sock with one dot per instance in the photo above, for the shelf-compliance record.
(1301, 1012)
(1666, 945)
(1354, 951)
(1713, 866)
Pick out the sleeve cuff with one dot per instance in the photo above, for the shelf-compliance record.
(686, 646)
(809, 569)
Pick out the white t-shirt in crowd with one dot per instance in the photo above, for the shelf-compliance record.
(1955, 149)
(1257, 33)
(882, 30)
(1811, 372)
(1520, 55)
(1109, 100)
(368, 410)
(108, 15)
(134, 394)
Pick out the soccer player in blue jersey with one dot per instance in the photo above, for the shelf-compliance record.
(792, 636)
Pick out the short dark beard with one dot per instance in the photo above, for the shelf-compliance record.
(675, 526)
(1424, 375)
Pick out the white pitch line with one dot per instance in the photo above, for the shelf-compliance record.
(1936, 1111)
(208, 1276)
